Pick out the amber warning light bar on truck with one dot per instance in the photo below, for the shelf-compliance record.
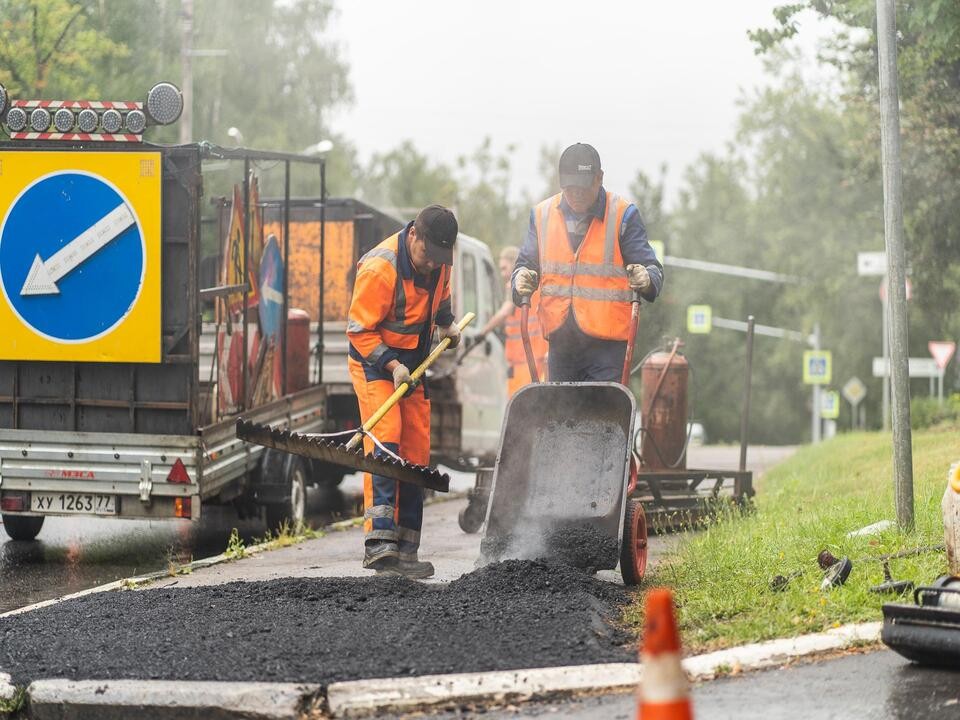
(89, 120)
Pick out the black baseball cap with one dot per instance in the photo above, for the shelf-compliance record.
(579, 164)
(439, 229)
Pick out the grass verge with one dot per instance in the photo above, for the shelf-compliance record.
(721, 576)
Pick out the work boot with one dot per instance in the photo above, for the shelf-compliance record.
(414, 569)
(380, 555)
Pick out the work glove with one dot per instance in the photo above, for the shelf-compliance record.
(526, 282)
(639, 277)
(401, 375)
(450, 331)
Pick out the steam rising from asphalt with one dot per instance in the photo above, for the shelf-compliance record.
(559, 482)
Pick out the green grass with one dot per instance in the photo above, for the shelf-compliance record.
(721, 576)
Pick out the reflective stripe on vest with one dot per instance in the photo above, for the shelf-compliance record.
(592, 282)
(396, 331)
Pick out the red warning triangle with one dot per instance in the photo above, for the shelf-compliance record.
(942, 351)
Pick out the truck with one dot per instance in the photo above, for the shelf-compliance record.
(142, 320)
(468, 391)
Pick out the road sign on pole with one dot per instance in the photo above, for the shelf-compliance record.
(830, 405)
(658, 249)
(817, 367)
(942, 351)
(916, 367)
(854, 391)
(871, 263)
(699, 319)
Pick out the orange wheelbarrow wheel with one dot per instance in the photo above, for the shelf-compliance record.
(633, 549)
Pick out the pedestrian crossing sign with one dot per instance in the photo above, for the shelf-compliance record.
(817, 367)
(830, 405)
(657, 246)
(699, 319)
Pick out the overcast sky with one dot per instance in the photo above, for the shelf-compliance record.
(645, 81)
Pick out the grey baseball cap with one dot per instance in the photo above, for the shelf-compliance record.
(579, 164)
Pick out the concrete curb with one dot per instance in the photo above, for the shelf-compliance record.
(363, 697)
(167, 700)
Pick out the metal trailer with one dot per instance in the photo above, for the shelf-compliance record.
(144, 440)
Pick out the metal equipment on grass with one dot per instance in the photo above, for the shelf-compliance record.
(324, 446)
(927, 632)
(559, 487)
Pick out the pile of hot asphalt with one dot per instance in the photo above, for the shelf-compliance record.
(510, 615)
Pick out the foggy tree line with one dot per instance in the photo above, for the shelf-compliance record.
(797, 190)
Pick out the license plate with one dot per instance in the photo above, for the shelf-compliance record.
(79, 503)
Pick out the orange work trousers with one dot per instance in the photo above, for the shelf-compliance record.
(393, 510)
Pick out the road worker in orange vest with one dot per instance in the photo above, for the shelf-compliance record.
(402, 292)
(587, 252)
(518, 373)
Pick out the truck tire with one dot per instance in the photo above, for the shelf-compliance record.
(293, 510)
(22, 527)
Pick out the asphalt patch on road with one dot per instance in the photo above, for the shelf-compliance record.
(579, 545)
(510, 615)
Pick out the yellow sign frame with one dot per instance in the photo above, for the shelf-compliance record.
(137, 336)
(820, 356)
(696, 328)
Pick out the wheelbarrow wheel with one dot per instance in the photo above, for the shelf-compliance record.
(470, 519)
(633, 549)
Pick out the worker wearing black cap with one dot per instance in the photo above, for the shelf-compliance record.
(587, 251)
(401, 293)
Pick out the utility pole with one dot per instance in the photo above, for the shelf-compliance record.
(896, 261)
(186, 67)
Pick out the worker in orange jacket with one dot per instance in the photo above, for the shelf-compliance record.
(518, 372)
(401, 293)
(587, 252)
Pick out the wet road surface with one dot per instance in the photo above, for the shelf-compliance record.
(73, 554)
(877, 685)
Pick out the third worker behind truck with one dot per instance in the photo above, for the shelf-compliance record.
(509, 315)
(587, 252)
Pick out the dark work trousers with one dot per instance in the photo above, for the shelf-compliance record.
(576, 357)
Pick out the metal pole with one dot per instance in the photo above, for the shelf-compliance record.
(745, 411)
(186, 68)
(940, 388)
(885, 351)
(286, 277)
(242, 405)
(896, 261)
(323, 249)
(815, 414)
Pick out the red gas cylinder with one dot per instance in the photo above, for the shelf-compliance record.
(664, 410)
(298, 350)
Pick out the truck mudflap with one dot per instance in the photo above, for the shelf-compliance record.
(110, 475)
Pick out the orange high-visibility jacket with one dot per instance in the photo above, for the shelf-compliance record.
(388, 311)
(513, 340)
(593, 281)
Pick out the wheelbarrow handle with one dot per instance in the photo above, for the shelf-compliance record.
(631, 338)
(525, 336)
(404, 387)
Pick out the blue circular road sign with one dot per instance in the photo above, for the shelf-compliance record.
(71, 256)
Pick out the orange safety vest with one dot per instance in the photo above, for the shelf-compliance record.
(593, 281)
(371, 332)
(513, 340)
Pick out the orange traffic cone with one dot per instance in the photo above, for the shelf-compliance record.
(665, 691)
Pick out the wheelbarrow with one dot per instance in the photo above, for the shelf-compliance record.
(565, 464)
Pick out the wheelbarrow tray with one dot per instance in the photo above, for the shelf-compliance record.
(560, 481)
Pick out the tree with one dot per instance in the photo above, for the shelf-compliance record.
(49, 49)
